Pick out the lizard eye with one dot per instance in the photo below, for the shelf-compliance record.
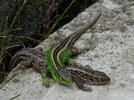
(41, 64)
(34, 59)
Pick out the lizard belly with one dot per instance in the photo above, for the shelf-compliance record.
(52, 67)
(63, 56)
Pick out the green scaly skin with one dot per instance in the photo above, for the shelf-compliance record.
(63, 58)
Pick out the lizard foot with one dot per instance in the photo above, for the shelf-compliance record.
(20, 67)
(44, 77)
(46, 82)
(85, 88)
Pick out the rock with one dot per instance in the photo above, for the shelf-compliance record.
(111, 44)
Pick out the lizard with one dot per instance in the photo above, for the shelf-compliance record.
(80, 74)
(86, 75)
(65, 51)
(56, 57)
(28, 57)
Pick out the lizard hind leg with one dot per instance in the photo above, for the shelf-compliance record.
(44, 76)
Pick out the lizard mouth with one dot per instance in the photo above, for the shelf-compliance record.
(103, 81)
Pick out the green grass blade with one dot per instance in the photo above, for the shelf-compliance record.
(7, 81)
(11, 30)
(1, 23)
(57, 7)
(17, 14)
(15, 97)
(11, 26)
(59, 19)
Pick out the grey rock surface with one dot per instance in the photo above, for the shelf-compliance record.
(111, 50)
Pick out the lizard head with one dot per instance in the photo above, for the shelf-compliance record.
(98, 78)
(65, 76)
(39, 64)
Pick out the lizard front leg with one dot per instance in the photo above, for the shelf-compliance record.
(67, 60)
(22, 65)
(44, 76)
(80, 84)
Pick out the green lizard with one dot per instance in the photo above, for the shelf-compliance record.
(57, 57)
